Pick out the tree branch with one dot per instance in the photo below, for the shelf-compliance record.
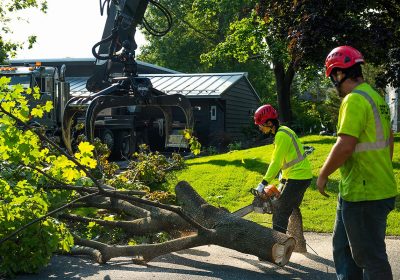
(144, 253)
(175, 209)
(122, 207)
(140, 226)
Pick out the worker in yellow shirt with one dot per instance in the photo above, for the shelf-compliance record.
(363, 152)
(289, 157)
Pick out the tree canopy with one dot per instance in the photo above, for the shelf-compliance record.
(287, 36)
(198, 27)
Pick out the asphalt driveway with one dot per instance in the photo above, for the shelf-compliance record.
(210, 262)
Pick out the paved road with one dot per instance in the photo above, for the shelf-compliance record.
(210, 262)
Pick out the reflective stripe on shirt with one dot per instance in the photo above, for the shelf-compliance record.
(380, 142)
(299, 158)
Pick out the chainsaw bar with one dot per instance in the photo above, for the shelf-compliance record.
(259, 205)
(243, 211)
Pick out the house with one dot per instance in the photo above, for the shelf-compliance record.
(223, 103)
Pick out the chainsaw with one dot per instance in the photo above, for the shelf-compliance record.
(262, 202)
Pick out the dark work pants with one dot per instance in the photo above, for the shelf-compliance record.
(291, 198)
(359, 249)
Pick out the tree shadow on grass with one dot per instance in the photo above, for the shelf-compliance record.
(396, 165)
(324, 140)
(250, 164)
(332, 185)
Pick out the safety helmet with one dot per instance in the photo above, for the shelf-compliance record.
(264, 113)
(342, 57)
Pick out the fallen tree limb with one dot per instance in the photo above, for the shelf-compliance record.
(217, 227)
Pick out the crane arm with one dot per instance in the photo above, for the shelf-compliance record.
(123, 17)
(118, 45)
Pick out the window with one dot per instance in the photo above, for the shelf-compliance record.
(213, 113)
(24, 80)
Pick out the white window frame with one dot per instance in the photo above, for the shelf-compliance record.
(213, 113)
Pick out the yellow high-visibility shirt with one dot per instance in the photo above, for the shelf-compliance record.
(285, 153)
(368, 173)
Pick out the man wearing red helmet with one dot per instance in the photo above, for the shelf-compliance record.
(288, 156)
(363, 152)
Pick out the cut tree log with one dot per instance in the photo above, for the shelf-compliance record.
(234, 232)
(216, 226)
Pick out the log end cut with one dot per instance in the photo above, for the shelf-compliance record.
(281, 252)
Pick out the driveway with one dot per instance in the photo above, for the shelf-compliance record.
(210, 262)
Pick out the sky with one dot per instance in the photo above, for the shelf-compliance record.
(69, 29)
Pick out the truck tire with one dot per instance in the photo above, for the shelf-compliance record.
(108, 138)
(124, 145)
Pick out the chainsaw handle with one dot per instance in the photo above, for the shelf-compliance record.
(254, 192)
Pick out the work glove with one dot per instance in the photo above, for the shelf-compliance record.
(260, 188)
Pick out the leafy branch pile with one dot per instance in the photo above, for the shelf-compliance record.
(37, 178)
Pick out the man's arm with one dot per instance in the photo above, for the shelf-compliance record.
(341, 151)
(282, 142)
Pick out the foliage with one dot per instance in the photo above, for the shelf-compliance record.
(37, 177)
(8, 9)
(194, 144)
(21, 202)
(316, 110)
(206, 23)
(210, 150)
(225, 180)
(152, 168)
(295, 35)
(237, 145)
(286, 37)
(22, 198)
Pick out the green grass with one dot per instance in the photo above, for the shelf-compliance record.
(224, 180)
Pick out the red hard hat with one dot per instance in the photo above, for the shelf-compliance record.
(264, 113)
(342, 57)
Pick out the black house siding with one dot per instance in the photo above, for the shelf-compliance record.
(241, 102)
(208, 130)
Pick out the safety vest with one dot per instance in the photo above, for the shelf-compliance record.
(368, 173)
(380, 142)
(300, 156)
(289, 157)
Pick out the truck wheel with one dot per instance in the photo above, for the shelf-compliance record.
(107, 137)
(124, 145)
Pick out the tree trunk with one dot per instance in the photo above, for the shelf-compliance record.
(234, 232)
(295, 229)
(283, 86)
(216, 226)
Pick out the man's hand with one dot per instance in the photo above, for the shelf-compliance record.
(321, 184)
(260, 188)
(266, 192)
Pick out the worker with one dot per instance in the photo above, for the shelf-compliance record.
(289, 157)
(367, 188)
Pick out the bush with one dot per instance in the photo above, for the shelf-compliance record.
(235, 146)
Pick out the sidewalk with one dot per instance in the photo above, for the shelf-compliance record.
(211, 262)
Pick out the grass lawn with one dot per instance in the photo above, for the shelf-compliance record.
(224, 180)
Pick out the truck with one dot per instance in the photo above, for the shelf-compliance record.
(122, 109)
